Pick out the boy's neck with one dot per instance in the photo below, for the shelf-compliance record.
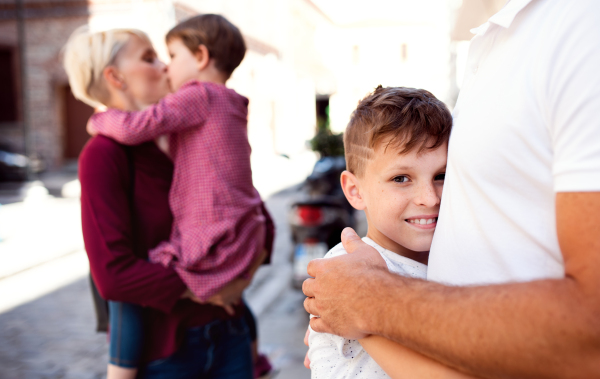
(388, 244)
(212, 75)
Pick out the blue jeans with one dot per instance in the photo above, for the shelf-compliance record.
(126, 334)
(218, 350)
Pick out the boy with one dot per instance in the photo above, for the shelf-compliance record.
(395, 145)
(219, 219)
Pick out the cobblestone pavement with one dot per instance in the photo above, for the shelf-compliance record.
(49, 333)
(53, 337)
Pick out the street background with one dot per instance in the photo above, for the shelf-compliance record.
(308, 63)
(46, 314)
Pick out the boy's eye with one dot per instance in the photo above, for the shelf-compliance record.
(401, 179)
(440, 176)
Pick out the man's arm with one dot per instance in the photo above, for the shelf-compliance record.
(187, 108)
(544, 328)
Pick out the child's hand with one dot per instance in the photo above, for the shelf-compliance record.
(306, 360)
(90, 130)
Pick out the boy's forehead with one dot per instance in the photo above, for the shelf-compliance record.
(386, 155)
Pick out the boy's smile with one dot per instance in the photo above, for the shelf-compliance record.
(400, 195)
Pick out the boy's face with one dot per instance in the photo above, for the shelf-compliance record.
(401, 197)
(183, 66)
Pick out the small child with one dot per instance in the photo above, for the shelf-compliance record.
(396, 148)
(219, 219)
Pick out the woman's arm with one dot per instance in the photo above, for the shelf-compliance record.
(187, 108)
(400, 362)
(105, 211)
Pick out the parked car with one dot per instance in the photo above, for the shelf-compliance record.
(13, 167)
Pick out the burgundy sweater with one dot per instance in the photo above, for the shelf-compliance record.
(118, 254)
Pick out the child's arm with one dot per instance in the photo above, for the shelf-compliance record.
(400, 362)
(184, 109)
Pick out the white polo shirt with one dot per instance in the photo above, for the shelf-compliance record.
(526, 125)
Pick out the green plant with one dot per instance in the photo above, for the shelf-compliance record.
(325, 142)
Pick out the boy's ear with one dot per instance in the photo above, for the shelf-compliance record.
(203, 57)
(113, 78)
(351, 188)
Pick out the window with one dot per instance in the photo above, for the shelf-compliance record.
(8, 93)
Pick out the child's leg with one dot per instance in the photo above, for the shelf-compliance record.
(261, 363)
(126, 339)
(251, 322)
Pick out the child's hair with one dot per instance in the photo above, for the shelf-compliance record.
(405, 118)
(87, 54)
(223, 40)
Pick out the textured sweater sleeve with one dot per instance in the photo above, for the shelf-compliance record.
(187, 108)
(118, 273)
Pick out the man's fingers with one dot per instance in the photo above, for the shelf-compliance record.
(309, 306)
(351, 240)
(314, 266)
(319, 325)
(307, 287)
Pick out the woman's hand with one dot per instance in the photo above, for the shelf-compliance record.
(188, 294)
(231, 294)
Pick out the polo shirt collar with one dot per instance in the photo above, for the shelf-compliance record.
(505, 16)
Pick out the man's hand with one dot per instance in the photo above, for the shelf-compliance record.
(344, 288)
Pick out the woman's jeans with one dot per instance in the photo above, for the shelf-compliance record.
(218, 350)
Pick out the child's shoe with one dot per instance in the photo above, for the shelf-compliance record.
(262, 367)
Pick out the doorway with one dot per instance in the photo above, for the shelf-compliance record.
(76, 115)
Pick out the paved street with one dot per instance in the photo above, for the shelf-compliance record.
(46, 314)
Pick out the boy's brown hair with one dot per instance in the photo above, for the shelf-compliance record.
(223, 40)
(404, 118)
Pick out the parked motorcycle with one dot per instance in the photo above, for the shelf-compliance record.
(317, 220)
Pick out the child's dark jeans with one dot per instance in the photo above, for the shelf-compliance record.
(220, 349)
(126, 328)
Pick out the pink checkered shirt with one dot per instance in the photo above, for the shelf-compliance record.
(219, 226)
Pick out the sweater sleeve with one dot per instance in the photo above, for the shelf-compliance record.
(269, 234)
(187, 108)
(119, 274)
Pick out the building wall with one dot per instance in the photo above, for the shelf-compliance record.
(47, 29)
(45, 77)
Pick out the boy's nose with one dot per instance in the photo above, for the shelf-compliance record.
(427, 196)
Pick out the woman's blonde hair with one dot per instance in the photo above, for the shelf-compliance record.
(87, 54)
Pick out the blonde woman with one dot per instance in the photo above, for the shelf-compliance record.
(125, 212)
